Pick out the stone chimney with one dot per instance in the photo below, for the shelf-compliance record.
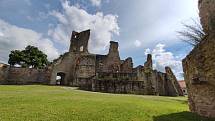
(113, 50)
(113, 47)
(148, 63)
(113, 60)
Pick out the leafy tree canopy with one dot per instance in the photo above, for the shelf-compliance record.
(29, 57)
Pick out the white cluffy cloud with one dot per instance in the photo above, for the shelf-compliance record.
(137, 43)
(163, 58)
(96, 2)
(103, 27)
(14, 37)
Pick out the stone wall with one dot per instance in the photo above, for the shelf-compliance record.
(86, 66)
(174, 88)
(112, 61)
(127, 66)
(199, 66)
(113, 86)
(3, 73)
(199, 70)
(207, 16)
(118, 86)
(63, 64)
(27, 76)
(151, 82)
(161, 88)
(79, 41)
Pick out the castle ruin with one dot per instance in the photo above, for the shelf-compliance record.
(94, 72)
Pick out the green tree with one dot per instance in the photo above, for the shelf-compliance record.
(30, 57)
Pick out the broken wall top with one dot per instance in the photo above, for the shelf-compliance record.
(79, 41)
(207, 15)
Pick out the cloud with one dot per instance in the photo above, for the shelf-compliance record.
(137, 43)
(1, 34)
(163, 58)
(155, 20)
(103, 27)
(28, 2)
(39, 17)
(96, 2)
(14, 37)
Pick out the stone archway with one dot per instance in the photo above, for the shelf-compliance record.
(60, 78)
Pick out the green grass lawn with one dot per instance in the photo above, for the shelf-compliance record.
(55, 103)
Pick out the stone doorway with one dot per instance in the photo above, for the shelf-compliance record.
(60, 78)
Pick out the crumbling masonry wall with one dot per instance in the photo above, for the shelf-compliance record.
(199, 65)
(15, 75)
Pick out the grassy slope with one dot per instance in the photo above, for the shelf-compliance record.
(44, 103)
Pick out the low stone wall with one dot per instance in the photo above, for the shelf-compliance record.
(116, 86)
(113, 86)
(85, 84)
(27, 76)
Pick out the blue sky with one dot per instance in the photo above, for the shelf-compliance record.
(140, 27)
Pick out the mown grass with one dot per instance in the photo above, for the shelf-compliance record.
(55, 103)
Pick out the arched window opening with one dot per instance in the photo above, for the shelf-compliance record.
(81, 48)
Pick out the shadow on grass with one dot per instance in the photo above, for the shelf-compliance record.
(181, 116)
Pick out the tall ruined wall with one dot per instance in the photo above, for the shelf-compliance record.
(207, 16)
(158, 83)
(127, 66)
(161, 88)
(79, 41)
(172, 83)
(27, 76)
(86, 66)
(199, 66)
(200, 78)
(112, 61)
(64, 64)
(148, 63)
(149, 75)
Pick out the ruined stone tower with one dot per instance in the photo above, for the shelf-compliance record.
(74, 63)
(79, 41)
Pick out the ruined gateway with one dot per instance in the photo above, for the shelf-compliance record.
(199, 65)
(104, 73)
